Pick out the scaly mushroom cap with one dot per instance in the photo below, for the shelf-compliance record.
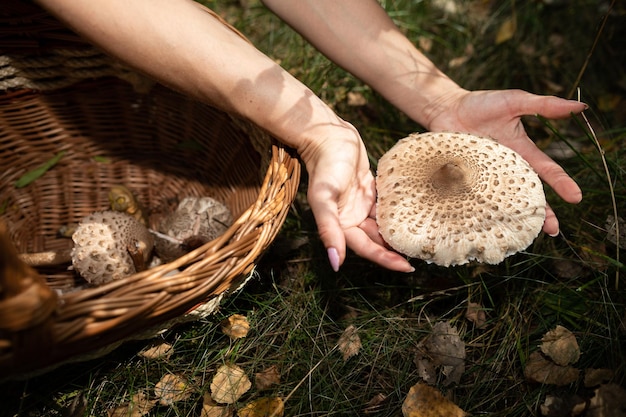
(101, 246)
(449, 198)
(200, 219)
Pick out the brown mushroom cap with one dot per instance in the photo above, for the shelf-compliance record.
(101, 246)
(449, 198)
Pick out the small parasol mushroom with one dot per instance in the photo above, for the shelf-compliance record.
(110, 245)
(196, 221)
(449, 198)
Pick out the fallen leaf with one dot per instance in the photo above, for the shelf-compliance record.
(356, 99)
(443, 350)
(542, 370)
(172, 388)
(374, 404)
(263, 407)
(608, 401)
(507, 30)
(349, 342)
(138, 406)
(229, 384)
(163, 350)
(561, 346)
(425, 44)
(475, 313)
(568, 406)
(267, 378)
(211, 409)
(236, 326)
(426, 401)
(595, 377)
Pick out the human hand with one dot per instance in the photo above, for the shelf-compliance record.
(342, 195)
(497, 114)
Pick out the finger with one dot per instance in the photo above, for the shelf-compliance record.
(552, 174)
(551, 223)
(370, 227)
(547, 106)
(326, 215)
(360, 243)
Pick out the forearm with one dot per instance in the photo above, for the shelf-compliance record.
(359, 36)
(181, 45)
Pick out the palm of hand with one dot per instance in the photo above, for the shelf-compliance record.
(497, 114)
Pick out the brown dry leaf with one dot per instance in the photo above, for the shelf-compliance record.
(356, 99)
(444, 350)
(540, 369)
(507, 30)
(163, 350)
(595, 377)
(425, 44)
(263, 407)
(374, 404)
(608, 401)
(349, 342)
(561, 346)
(570, 406)
(138, 406)
(172, 388)
(235, 326)
(476, 314)
(211, 409)
(229, 384)
(425, 401)
(267, 378)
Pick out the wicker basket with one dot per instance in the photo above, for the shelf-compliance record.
(59, 94)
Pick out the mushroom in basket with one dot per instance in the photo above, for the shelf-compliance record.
(197, 220)
(110, 245)
(449, 198)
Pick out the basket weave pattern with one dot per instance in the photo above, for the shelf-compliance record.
(114, 127)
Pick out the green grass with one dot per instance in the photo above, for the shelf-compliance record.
(298, 307)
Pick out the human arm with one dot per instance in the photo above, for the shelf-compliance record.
(181, 45)
(359, 36)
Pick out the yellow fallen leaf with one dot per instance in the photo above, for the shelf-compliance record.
(267, 378)
(211, 409)
(138, 406)
(163, 350)
(356, 99)
(507, 30)
(229, 384)
(263, 407)
(426, 401)
(236, 326)
(561, 346)
(172, 388)
(349, 342)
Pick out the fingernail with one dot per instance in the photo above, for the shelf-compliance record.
(555, 234)
(333, 257)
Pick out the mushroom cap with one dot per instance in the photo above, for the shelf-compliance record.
(101, 246)
(449, 198)
(200, 219)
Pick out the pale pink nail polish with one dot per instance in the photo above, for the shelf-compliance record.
(333, 257)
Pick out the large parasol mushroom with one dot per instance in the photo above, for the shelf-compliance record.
(449, 198)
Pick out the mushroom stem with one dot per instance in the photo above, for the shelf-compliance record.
(48, 258)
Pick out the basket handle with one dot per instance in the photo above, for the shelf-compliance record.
(26, 301)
